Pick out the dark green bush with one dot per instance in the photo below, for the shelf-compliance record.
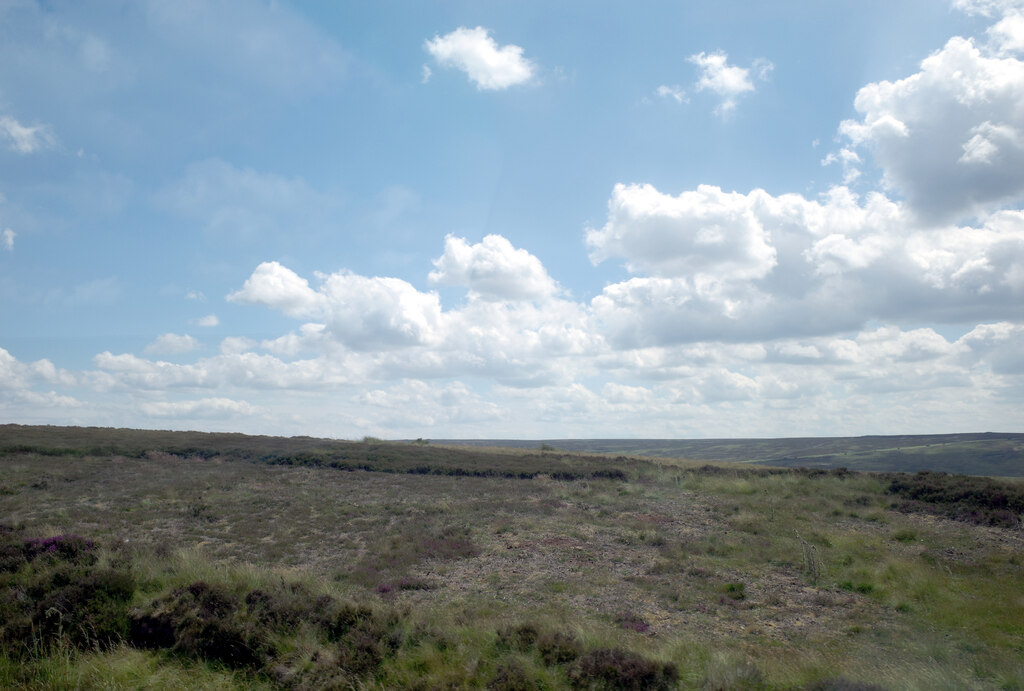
(52, 591)
(202, 621)
(613, 668)
(521, 637)
(85, 608)
(974, 499)
(510, 676)
(282, 608)
(558, 648)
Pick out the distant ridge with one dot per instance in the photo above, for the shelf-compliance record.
(980, 453)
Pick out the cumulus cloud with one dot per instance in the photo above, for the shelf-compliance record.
(26, 139)
(280, 288)
(744, 267)
(514, 327)
(202, 408)
(209, 320)
(7, 239)
(492, 269)
(172, 344)
(361, 312)
(487, 65)
(1007, 35)
(19, 375)
(728, 81)
(705, 233)
(948, 137)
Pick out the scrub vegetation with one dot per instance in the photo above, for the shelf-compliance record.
(136, 559)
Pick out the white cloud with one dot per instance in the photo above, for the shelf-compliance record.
(172, 344)
(8, 239)
(360, 312)
(948, 137)
(673, 92)
(1007, 35)
(425, 74)
(209, 320)
(728, 81)
(245, 370)
(26, 139)
(235, 345)
(735, 267)
(477, 54)
(988, 8)
(849, 160)
(280, 288)
(202, 408)
(19, 375)
(705, 233)
(492, 269)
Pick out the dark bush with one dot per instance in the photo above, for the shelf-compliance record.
(283, 608)
(609, 474)
(979, 500)
(614, 668)
(365, 646)
(510, 676)
(558, 648)
(85, 608)
(521, 637)
(337, 619)
(203, 621)
(69, 548)
(12, 557)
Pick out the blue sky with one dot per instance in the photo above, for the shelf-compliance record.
(513, 219)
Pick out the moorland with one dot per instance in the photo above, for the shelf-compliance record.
(139, 559)
(987, 453)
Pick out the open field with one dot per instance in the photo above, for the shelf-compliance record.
(133, 559)
(996, 455)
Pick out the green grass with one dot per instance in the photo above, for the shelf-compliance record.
(733, 576)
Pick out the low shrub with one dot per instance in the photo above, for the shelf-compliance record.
(614, 668)
(68, 548)
(510, 676)
(203, 621)
(981, 500)
(521, 637)
(85, 608)
(558, 648)
(632, 621)
(53, 592)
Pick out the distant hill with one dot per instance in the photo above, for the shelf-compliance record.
(988, 453)
(991, 454)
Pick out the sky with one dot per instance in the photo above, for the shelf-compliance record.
(513, 219)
